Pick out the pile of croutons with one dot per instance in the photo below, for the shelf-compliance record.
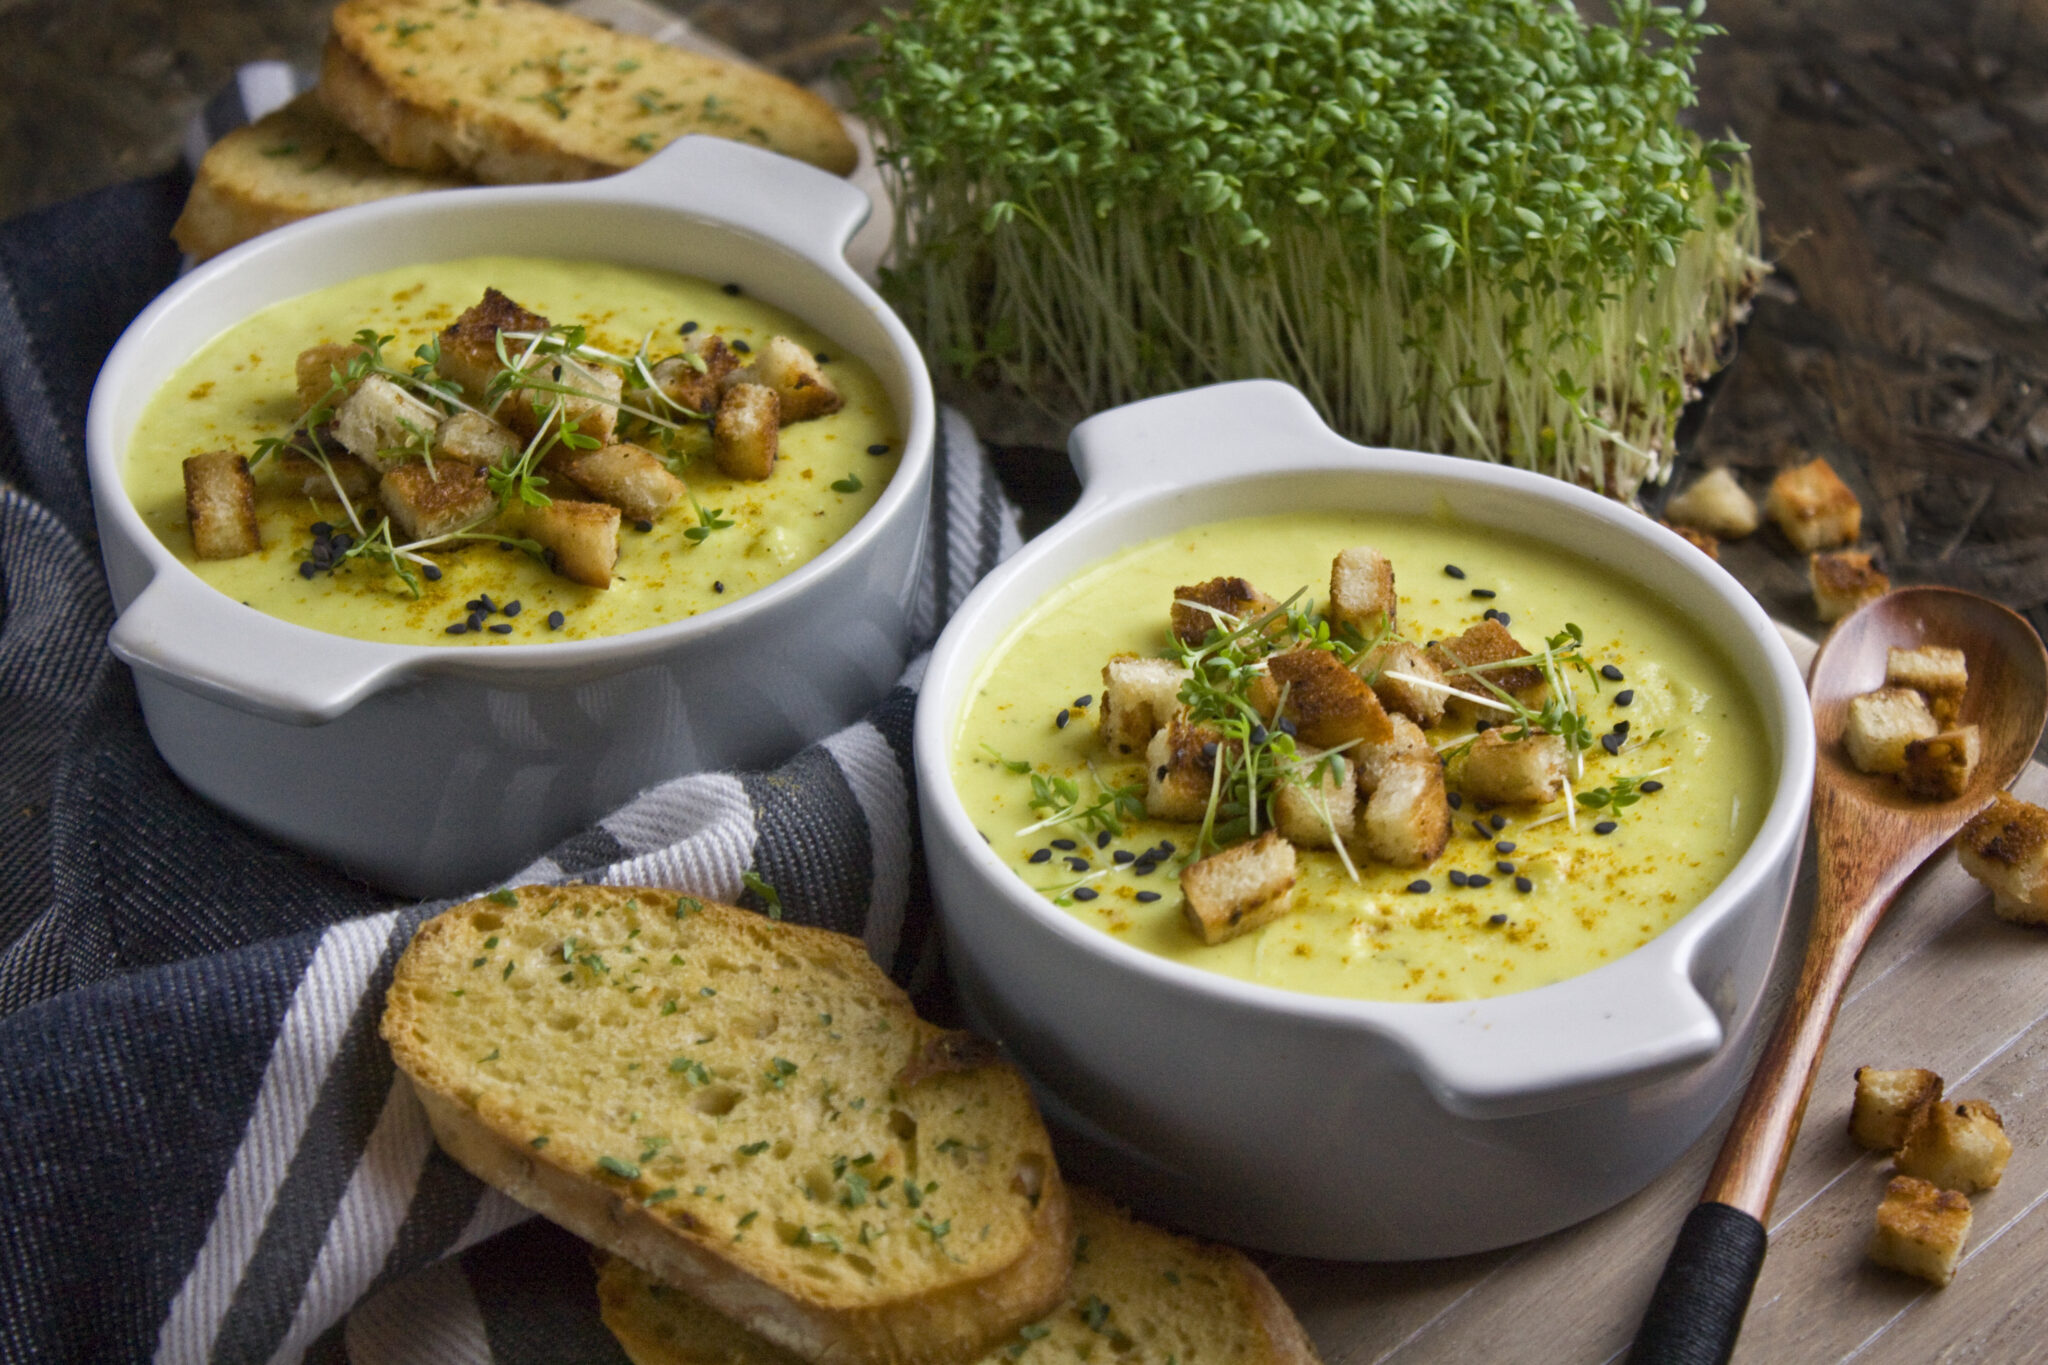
(1944, 1151)
(1910, 727)
(1816, 511)
(427, 461)
(1382, 794)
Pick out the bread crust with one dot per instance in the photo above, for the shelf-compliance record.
(488, 1129)
(436, 90)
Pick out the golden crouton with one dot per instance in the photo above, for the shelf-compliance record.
(581, 539)
(356, 479)
(2005, 846)
(1373, 761)
(1508, 771)
(1477, 654)
(1920, 1229)
(1218, 604)
(1881, 724)
(1180, 767)
(1316, 811)
(1362, 591)
(1843, 581)
(693, 380)
(1698, 539)
(1418, 692)
(1328, 704)
(799, 384)
(630, 478)
(1239, 889)
(1886, 1104)
(425, 503)
(1137, 697)
(1814, 508)
(1408, 816)
(589, 408)
(1936, 673)
(469, 345)
(319, 369)
(382, 425)
(1714, 504)
(220, 505)
(475, 439)
(1939, 768)
(743, 436)
(1958, 1146)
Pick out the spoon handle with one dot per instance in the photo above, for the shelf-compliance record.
(1696, 1310)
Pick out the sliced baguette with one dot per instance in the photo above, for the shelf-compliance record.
(732, 1103)
(511, 91)
(1139, 1294)
(290, 164)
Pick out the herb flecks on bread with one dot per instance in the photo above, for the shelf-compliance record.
(748, 1109)
(510, 91)
(1138, 1294)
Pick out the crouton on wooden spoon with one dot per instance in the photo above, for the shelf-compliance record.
(1870, 836)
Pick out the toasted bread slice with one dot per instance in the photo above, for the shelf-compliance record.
(290, 164)
(1138, 1294)
(747, 1109)
(510, 91)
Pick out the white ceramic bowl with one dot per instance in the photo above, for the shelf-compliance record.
(1327, 1127)
(432, 771)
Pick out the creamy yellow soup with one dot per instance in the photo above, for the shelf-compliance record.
(1543, 897)
(240, 388)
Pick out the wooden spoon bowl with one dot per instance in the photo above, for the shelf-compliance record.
(1869, 836)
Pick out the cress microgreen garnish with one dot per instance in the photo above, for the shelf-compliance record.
(708, 520)
(1475, 226)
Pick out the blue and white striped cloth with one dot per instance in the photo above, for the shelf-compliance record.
(205, 1151)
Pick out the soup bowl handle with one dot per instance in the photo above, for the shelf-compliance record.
(812, 212)
(1232, 428)
(180, 631)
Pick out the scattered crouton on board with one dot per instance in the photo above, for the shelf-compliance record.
(2005, 846)
(1814, 508)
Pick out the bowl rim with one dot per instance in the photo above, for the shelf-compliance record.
(1087, 535)
(761, 192)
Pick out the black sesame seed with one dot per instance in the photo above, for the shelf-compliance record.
(1484, 593)
(1498, 822)
(1483, 726)
(459, 628)
(1504, 846)
(323, 528)
(688, 328)
(643, 526)
(1604, 827)
(1287, 727)
(1653, 785)
(1504, 867)
(1064, 845)
(1078, 863)
(1061, 719)
(476, 620)
(1258, 735)
(1503, 618)
(1625, 696)
(473, 604)
(432, 572)
(1419, 885)
(1040, 855)
(1524, 885)
(1496, 920)
(555, 620)
(511, 608)
(1454, 571)
(1621, 727)
(1144, 867)
(1166, 848)
(343, 543)
(306, 569)
(1610, 672)
(878, 448)
(741, 347)
(1458, 878)
(1479, 879)
(1085, 700)
(1102, 839)
(731, 290)
(502, 628)
(1489, 613)
(1208, 751)
(717, 585)
(1161, 774)
(1084, 893)
(1148, 896)
(1124, 855)
(489, 605)
(1456, 800)
(1481, 830)
(822, 358)
(1611, 743)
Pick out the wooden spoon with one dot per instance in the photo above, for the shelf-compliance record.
(1870, 836)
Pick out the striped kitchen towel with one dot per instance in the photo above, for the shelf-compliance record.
(205, 1152)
